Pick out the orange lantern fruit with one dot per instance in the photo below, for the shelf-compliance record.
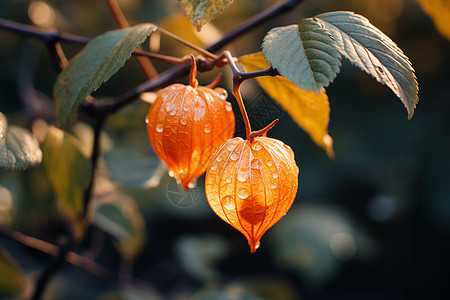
(186, 124)
(252, 184)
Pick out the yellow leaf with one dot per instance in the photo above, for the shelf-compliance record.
(439, 12)
(309, 110)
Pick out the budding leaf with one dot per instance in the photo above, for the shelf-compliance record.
(304, 53)
(201, 12)
(371, 50)
(94, 65)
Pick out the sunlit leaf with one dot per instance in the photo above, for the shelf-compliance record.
(12, 281)
(19, 149)
(309, 110)
(375, 53)
(98, 61)
(117, 213)
(69, 172)
(304, 53)
(202, 11)
(439, 12)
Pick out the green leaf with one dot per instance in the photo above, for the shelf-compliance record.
(372, 51)
(117, 213)
(69, 172)
(309, 110)
(202, 11)
(19, 149)
(12, 281)
(304, 53)
(98, 61)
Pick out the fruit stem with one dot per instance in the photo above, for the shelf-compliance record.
(237, 80)
(260, 132)
(192, 80)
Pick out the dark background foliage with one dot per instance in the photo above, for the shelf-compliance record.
(373, 223)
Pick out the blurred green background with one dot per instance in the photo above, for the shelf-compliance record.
(373, 223)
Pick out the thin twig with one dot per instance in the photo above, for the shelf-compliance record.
(199, 49)
(254, 22)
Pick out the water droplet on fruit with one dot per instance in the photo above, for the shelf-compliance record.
(223, 94)
(258, 243)
(275, 175)
(146, 121)
(160, 127)
(228, 106)
(242, 177)
(180, 172)
(199, 113)
(230, 147)
(256, 146)
(214, 167)
(228, 180)
(243, 193)
(234, 156)
(191, 185)
(171, 173)
(207, 128)
(219, 159)
(274, 185)
(269, 163)
(228, 202)
(185, 108)
(183, 121)
(256, 164)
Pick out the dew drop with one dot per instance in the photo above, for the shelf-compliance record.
(256, 164)
(178, 181)
(228, 106)
(160, 127)
(146, 122)
(269, 163)
(207, 128)
(171, 173)
(183, 121)
(219, 159)
(274, 185)
(228, 202)
(234, 156)
(185, 108)
(256, 146)
(223, 94)
(243, 193)
(230, 147)
(180, 172)
(173, 112)
(275, 175)
(242, 177)
(214, 167)
(191, 185)
(228, 180)
(199, 113)
(258, 243)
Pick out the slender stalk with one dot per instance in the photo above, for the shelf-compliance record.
(145, 64)
(237, 93)
(165, 58)
(206, 53)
